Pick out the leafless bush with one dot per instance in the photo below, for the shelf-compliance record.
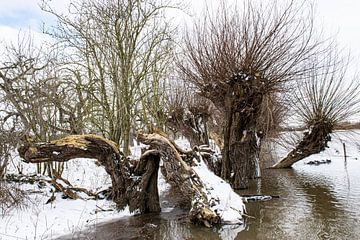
(10, 197)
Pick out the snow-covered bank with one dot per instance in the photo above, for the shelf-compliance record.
(46, 221)
(65, 216)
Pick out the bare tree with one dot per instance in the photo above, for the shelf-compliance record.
(188, 114)
(240, 58)
(121, 50)
(321, 104)
(35, 99)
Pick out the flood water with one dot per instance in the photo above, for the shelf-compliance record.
(315, 202)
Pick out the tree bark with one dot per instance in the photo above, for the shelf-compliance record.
(226, 168)
(313, 142)
(181, 175)
(128, 180)
(241, 146)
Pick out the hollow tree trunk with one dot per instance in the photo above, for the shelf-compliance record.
(135, 186)
(313, 142)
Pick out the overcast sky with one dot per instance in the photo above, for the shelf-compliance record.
(340, 17)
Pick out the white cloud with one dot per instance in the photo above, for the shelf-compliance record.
(10, 7)
(334, 16)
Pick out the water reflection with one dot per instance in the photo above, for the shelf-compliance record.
(316, 202)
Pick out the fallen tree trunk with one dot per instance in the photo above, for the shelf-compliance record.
(128, 179)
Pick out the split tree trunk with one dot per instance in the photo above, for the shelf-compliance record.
(313, 142)
(181, 175)
(124, 175)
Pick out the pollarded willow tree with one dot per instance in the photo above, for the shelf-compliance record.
(242, 56)
(322, 103)
(188, 114)
(120, 51)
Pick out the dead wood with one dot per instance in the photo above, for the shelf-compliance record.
(66, 191)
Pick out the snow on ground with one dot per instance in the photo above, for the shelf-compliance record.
(335, 151)
(46, 221)
(63, 216)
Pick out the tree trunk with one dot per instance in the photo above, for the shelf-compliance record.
(147, 197)
(124, 185)
(181, 175)
(313, 142)
(135, 183)
(241, 144)
(225, 162)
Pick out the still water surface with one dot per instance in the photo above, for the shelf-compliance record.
(316, 202)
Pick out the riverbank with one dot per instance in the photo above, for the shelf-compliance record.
(315, 202)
